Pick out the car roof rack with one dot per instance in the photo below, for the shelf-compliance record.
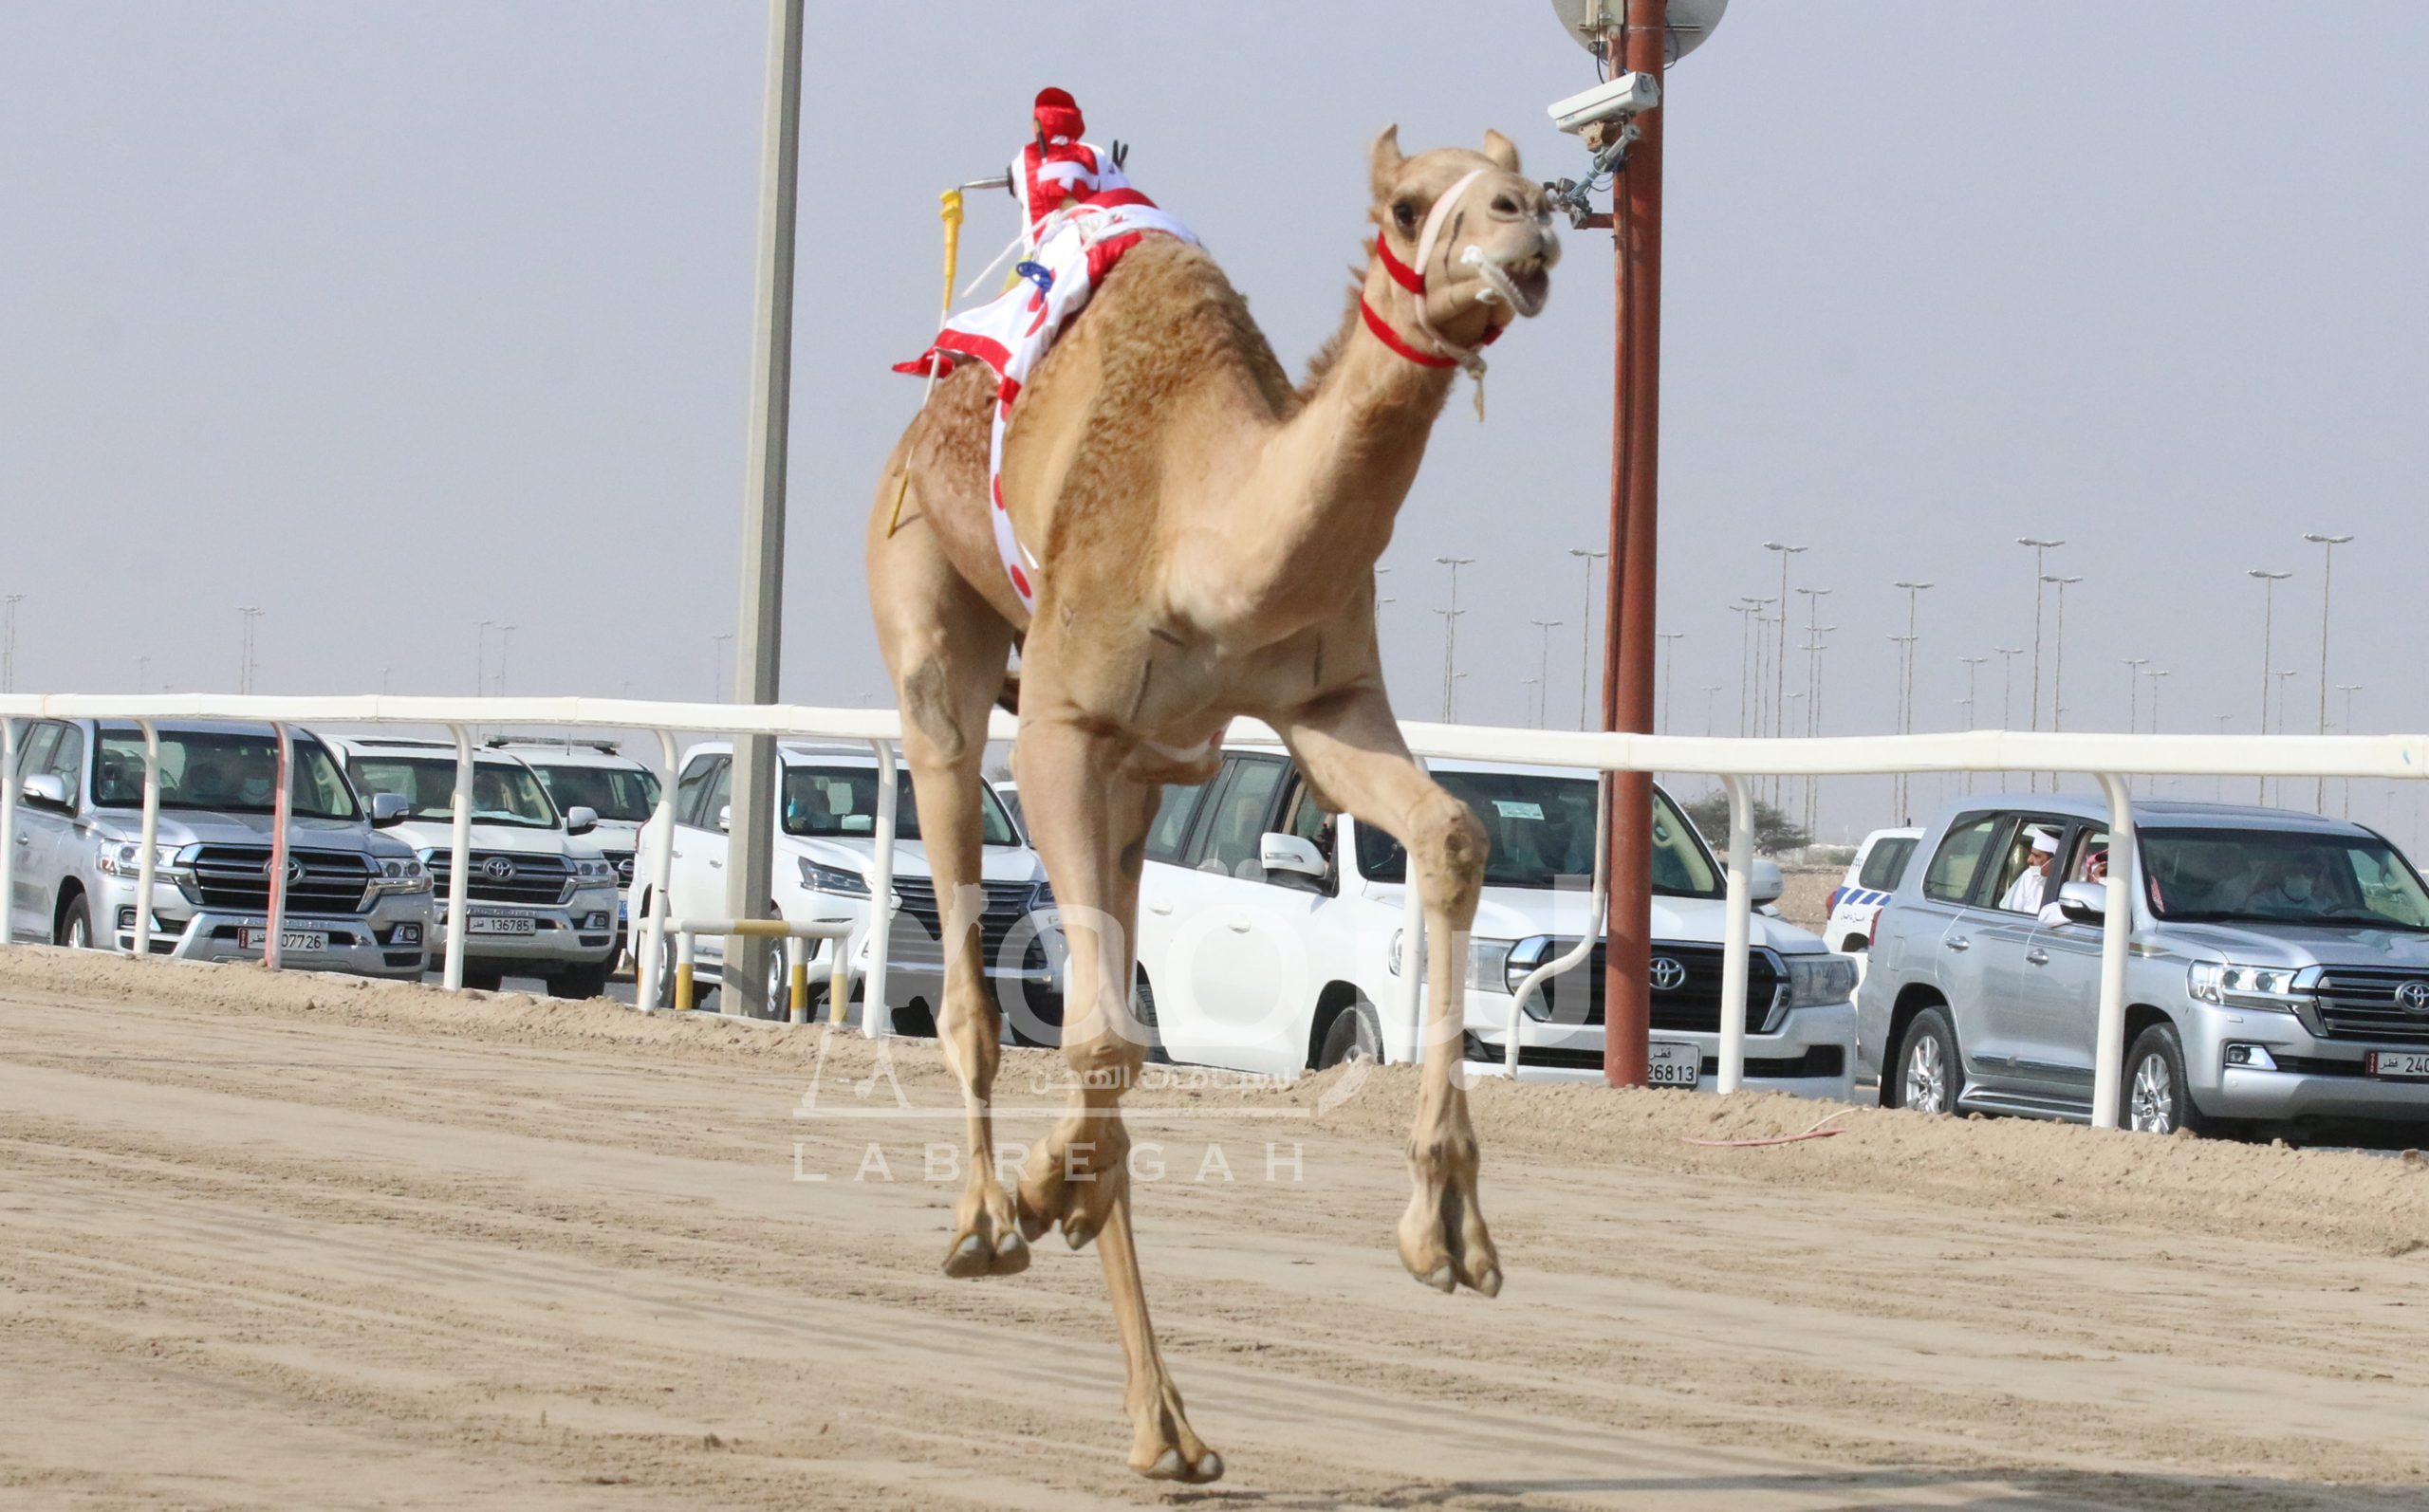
(567, 743)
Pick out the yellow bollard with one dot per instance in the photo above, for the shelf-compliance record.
(684, 973)
(797, 962)
(839, 988)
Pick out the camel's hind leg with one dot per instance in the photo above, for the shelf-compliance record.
(1091, 824)
(1350, 747)
(946, 650)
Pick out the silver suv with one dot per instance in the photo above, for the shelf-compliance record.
(539, 899)
(357, 900)
(2280, 969)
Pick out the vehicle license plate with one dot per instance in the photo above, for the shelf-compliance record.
(2402, 1064)
(492, 924)
(288, 939)
(1673, 1064)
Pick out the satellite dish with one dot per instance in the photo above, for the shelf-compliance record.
(1690, 22)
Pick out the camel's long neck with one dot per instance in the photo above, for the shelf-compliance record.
(1316, 506)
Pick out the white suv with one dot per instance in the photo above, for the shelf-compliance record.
(540, 901)
(1879, 861)
(594, 774)
(1270, 936)
(825, 843)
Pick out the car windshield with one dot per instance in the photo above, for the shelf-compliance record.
(223, 772)
(503, 792)
(626, 793)
(1542, 830)
(2277, 876)
(840, 802)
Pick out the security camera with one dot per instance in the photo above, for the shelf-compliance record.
(1630, 94)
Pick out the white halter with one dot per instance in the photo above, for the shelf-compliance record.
(1467, 357)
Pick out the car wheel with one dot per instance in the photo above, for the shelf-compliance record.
(582, 980)
(1930, 1077)
(75, 925)
(2156, 1098)
(1355, 1034)
(1142, 1005)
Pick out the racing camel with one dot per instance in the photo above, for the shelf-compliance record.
(1199, 537)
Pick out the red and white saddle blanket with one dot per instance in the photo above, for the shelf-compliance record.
(1083, 216)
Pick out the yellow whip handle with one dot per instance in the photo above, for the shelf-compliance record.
(948, 207)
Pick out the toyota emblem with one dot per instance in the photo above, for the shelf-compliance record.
(2413, 998)
(294, 870)
(1668, 975)
(499, 867)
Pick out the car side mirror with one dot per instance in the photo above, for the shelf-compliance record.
(1765, 884)
(48, 790)
(725, 820)
(1290, 853)
(388, 809)
(581, 820)
(2083, 903)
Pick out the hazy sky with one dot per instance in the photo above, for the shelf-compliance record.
(395, 318)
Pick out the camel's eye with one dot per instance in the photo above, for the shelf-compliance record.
(1404, 216)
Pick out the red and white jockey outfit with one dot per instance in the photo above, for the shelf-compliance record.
(1081, 215)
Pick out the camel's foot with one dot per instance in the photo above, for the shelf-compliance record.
(986, 1237)
(1164, 1447)
(1442, 1237)
(1072, 1177)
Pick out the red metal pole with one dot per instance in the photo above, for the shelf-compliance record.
(1628, 645)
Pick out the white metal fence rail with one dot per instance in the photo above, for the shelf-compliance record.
(2109, 759)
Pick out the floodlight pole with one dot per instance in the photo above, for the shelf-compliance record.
(758, 644)
(1628, 644)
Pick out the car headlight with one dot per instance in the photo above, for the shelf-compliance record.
(1813, 980)
(1489, 964)
(832, 880)
(594, 874)
(125, 859)
(400, 874)
(2246, 987)
(1520, 963)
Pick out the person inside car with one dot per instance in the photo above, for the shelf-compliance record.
(2024, 895)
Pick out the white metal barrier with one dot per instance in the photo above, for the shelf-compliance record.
(2108, 758)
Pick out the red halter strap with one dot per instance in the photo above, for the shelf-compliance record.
(1405, 276)
(1391, 339)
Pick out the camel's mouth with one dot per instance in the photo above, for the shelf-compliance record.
(1524, 285)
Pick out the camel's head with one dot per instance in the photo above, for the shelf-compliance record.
(1479, 232)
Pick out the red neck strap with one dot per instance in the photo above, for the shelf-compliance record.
(1405, 276)
(1391, 339)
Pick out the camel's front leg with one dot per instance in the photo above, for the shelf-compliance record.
(1091, 826)
(1351, 748)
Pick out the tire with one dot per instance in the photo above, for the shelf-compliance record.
(582, 980)
(1928, 1076)
(484, 981)
(1142, 1002)
(75, 927)
(1355, 1034)
(2155, 1098)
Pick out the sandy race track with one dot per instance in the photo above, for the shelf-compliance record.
(302, 1242)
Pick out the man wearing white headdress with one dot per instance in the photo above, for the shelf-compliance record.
(2024, 894)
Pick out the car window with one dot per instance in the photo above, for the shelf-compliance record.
(1959, 858)
(1173, 810)
(2282, 876)
(624, 793)
(1885, 863)
(840, 802)
(68, 757)
(33, 757)
(1228, 841)
(692, 789)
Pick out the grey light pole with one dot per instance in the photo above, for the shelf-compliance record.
(1906, 679)
(1669, 639)
(2058, 656)
(1813, 650)
(2040, 550)
(1754, 686)
(1897, 790)
(2134, 666)
(2221, 790)
(1973, 665)
(1544, 675)
(505, 641)
(245, 662)
(2269, 582)
(1710, 688)
(481, 657)
(2328, 545)
(8, 650)
(1451, 638)
(758, 657)
(1586, 630)
(1744, 613)
(1779, 667)
(716, 665)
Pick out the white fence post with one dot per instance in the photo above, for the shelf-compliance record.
(645, 976)
(1583, 950)
(460, 861)
(875, 1021)
(1736, 931)
(2115, 936)
(144, 866)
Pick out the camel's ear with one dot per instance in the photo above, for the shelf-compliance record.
(1503, 151)
(1384, 162)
